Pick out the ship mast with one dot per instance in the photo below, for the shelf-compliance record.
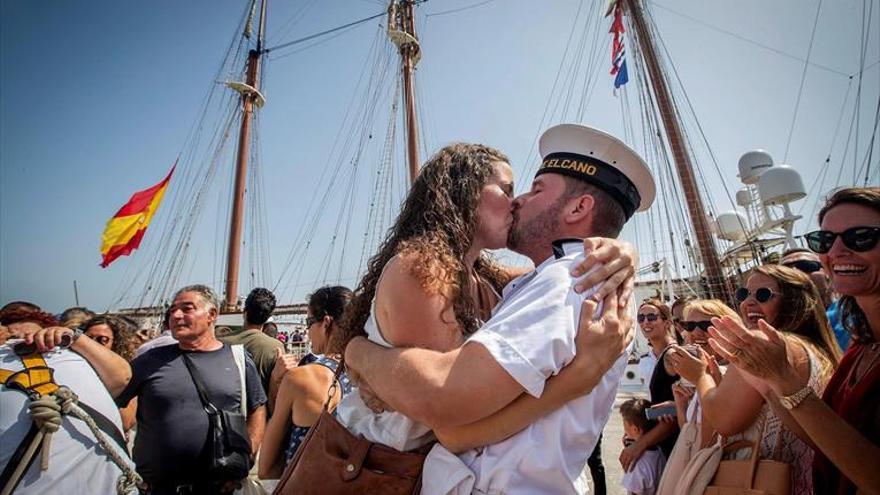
(717, 284)
(250, 97)
(402, 31)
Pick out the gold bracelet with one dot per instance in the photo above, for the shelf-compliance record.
(795, 399)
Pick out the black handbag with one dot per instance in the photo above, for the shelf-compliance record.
(228, 453)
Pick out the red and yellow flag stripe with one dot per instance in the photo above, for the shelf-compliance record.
(124, 231)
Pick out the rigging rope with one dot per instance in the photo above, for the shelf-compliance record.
(322, 33)
(747, 40)
(461, 9)
(797, 103)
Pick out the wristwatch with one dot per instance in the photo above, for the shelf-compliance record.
(795, 399)
(77, 333)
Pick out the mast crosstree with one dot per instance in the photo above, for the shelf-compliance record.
(402, 31)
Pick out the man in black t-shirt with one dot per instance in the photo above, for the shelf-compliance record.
(170, 447)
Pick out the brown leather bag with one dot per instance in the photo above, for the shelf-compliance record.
(333, 460)
(753, 476)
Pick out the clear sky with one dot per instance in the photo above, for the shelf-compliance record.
(97, 99)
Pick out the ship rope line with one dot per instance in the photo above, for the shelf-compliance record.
(134, 271)
(868, 159)
(863, 47)
(379, 86)
(547, 115)
(371, 88)
(671, 192)
(819, 184)
(659, 159)
(287, 26)
(165, 255)
(163, 270)
(748, 40)
(376, 219)
(797, 103)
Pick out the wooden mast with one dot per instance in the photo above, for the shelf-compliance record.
(402, 31)
(250, 96)
(718, 288)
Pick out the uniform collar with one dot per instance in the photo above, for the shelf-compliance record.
(566, 245)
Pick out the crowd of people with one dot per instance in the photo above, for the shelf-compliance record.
(496, 379)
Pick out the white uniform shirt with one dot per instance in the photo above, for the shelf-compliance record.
(77, 464)
(531, 335)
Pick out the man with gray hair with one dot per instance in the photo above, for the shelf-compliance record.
(172, 448)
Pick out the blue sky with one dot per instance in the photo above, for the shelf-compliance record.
(97, 98)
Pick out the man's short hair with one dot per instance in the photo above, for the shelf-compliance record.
(259, 305)
(633, 412)
(76, 316)
(206, 293)
(608, 216)
(20, 305)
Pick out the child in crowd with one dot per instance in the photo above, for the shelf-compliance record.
(645, 476)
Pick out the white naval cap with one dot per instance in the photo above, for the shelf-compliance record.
(601, 159)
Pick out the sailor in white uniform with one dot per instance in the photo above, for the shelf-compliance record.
(531, 335)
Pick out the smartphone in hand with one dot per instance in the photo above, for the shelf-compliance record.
(656, 412)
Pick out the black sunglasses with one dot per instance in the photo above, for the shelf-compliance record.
(859, 239)
(311, 320)
(806, 266)
(690, 326)
(762, 295)
(649, 317)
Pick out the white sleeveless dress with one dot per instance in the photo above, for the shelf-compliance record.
(389, 428)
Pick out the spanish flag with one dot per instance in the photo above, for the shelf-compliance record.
(125, 230)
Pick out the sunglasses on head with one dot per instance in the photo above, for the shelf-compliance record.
(859, 239)
(762, 295)
(806, 266)
(690, 326)
(650, 317)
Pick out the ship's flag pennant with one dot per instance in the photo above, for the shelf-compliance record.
(124, 231)
(618, 50)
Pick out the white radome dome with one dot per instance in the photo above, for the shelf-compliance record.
(781, 184)
(731, 226)
(752, 164)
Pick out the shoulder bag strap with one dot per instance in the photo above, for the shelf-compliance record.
(238, 354)
(197, 379)
(335, 385)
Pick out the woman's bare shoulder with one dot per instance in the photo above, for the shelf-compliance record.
(410, 313)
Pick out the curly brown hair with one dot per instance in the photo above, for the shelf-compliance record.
(124, 339)
(851, 315)
(436, 226)
(803, 316)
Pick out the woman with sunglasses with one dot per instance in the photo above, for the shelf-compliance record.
(115, 334)
(303, 389)
(787, 299)
(696, 320)
(696, 431)
(843, 425)
(654, 319)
